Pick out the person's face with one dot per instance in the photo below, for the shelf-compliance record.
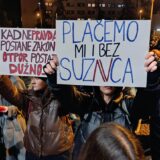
(38, 84)
(105, 90)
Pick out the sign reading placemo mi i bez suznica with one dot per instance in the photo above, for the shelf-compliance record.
(102, 52)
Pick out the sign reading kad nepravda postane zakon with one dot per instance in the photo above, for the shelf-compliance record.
(24, 52)
(102, 52)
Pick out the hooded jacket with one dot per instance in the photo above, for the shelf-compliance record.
(116, 111)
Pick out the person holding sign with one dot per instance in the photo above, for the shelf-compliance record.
(108, 104)
(49, 134)
(152, 100)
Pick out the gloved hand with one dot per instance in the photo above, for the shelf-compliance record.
(12, 111)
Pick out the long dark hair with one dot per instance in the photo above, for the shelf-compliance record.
(111, 141)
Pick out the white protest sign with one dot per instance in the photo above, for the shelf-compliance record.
(24, 51)
(102, 52)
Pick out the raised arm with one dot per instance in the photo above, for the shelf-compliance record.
(72, 100)
(152, 66)
(144, 101)
(10, 92)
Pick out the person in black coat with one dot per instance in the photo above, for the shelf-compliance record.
(148, 101)
(107, 105)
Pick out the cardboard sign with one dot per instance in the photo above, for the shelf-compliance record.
(102, 52)
(24, 52)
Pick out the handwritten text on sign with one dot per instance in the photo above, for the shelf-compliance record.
(25, 51)
(102, 52)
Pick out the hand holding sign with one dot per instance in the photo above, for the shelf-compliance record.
(151, 63)
(51, 66)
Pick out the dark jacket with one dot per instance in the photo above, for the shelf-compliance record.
(148, 100)
(94, 111)
(116, 111)
(48, 130)
(153, 99)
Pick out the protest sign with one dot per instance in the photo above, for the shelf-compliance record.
(24, 52)
(102, 52)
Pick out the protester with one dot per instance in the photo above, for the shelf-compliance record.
(49, 134)
(153, 101)
(107, 104)
(145, 101)
(12, 130)
(112, 141)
